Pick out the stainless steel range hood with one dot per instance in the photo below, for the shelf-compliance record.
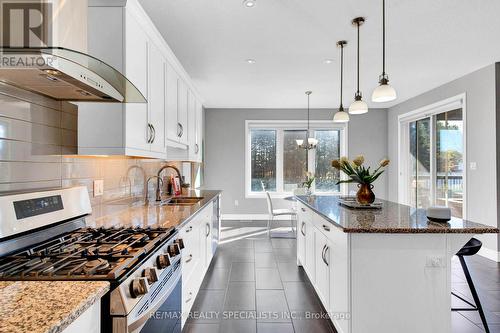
(65, 75)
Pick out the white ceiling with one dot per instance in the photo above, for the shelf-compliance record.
(429, 43)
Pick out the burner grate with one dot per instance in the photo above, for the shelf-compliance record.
(86, 253)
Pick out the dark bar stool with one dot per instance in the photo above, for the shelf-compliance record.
(470, 249)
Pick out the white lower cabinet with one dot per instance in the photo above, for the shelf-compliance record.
(322, 282)
(196, 256)
(322, 249)
(301, 238)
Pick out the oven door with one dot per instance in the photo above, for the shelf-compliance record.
(167, 317)
(159, 309)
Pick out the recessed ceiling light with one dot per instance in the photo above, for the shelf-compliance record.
(328, 61)
(249, 3)
(251, 61)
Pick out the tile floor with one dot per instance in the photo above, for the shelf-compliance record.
(254, 285)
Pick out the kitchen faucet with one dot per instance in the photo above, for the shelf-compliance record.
(158, 188)
(159, 183)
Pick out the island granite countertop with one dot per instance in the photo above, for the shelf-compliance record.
(126, 213)
(45, 306)
(391, 218)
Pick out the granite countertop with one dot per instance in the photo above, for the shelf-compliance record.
(392, 218)
(45, 306)
(128, 213)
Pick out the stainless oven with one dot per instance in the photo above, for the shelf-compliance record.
(149, 300)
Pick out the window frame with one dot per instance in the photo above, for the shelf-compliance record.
(429, 111)
(280, 126)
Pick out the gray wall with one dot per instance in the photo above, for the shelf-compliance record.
(479, 87)
(225, 149)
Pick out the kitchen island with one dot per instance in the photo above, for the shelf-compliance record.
(380, 270)
(51, 306)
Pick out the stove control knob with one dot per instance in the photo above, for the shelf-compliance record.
(162, 261)
(180, 242)
(150, 274)
(173, 250)
(138, 287)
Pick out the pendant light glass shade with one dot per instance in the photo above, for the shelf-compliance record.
(341, 117)
(299, 142)
(358, 107)
(384, 92)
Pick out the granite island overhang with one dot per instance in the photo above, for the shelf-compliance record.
(380, 270)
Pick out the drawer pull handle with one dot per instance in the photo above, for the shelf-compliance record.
(327, 228)
(190, 258)
(303, 209)
(189, 229)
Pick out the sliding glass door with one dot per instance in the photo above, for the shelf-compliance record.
(435, 161)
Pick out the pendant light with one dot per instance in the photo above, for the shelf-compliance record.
(358, 106)
(341, 116)
(384, 92)
(311, 142)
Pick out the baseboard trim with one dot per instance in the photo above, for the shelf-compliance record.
(252, 217)
(489, 254)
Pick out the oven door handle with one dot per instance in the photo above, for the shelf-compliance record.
(140, 321)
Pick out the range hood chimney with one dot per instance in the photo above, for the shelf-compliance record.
(44, 51)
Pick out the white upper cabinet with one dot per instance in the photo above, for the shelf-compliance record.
(137, 129)
(156, 99)
(131, 43)
(171, 124)
(182, 113)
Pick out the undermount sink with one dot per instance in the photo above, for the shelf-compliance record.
(184, 201)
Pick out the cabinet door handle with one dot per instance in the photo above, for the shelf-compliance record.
(302, 228)
(323, 253)
(327, 228)
(190, 257)
(208, 230)
(182, 130)
(303, 209)
(154, 133)
(149, 133)
(196, 148)
(325, 248)
(178, 130)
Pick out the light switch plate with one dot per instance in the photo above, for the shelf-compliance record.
(98, 187)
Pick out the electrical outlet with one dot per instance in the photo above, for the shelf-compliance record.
(236, 203)
(473, 165)
(435, 262)
(98, 187)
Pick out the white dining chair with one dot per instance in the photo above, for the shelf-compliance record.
(278, 212)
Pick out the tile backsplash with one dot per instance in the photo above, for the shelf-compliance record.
(38, 143)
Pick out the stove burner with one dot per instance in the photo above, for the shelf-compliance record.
(94, 266)
(86, 253)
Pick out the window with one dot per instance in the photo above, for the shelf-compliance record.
(273, 157)
(263, 159)
(432, 156)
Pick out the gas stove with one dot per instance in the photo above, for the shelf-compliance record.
(43, 236)
(85, 254)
